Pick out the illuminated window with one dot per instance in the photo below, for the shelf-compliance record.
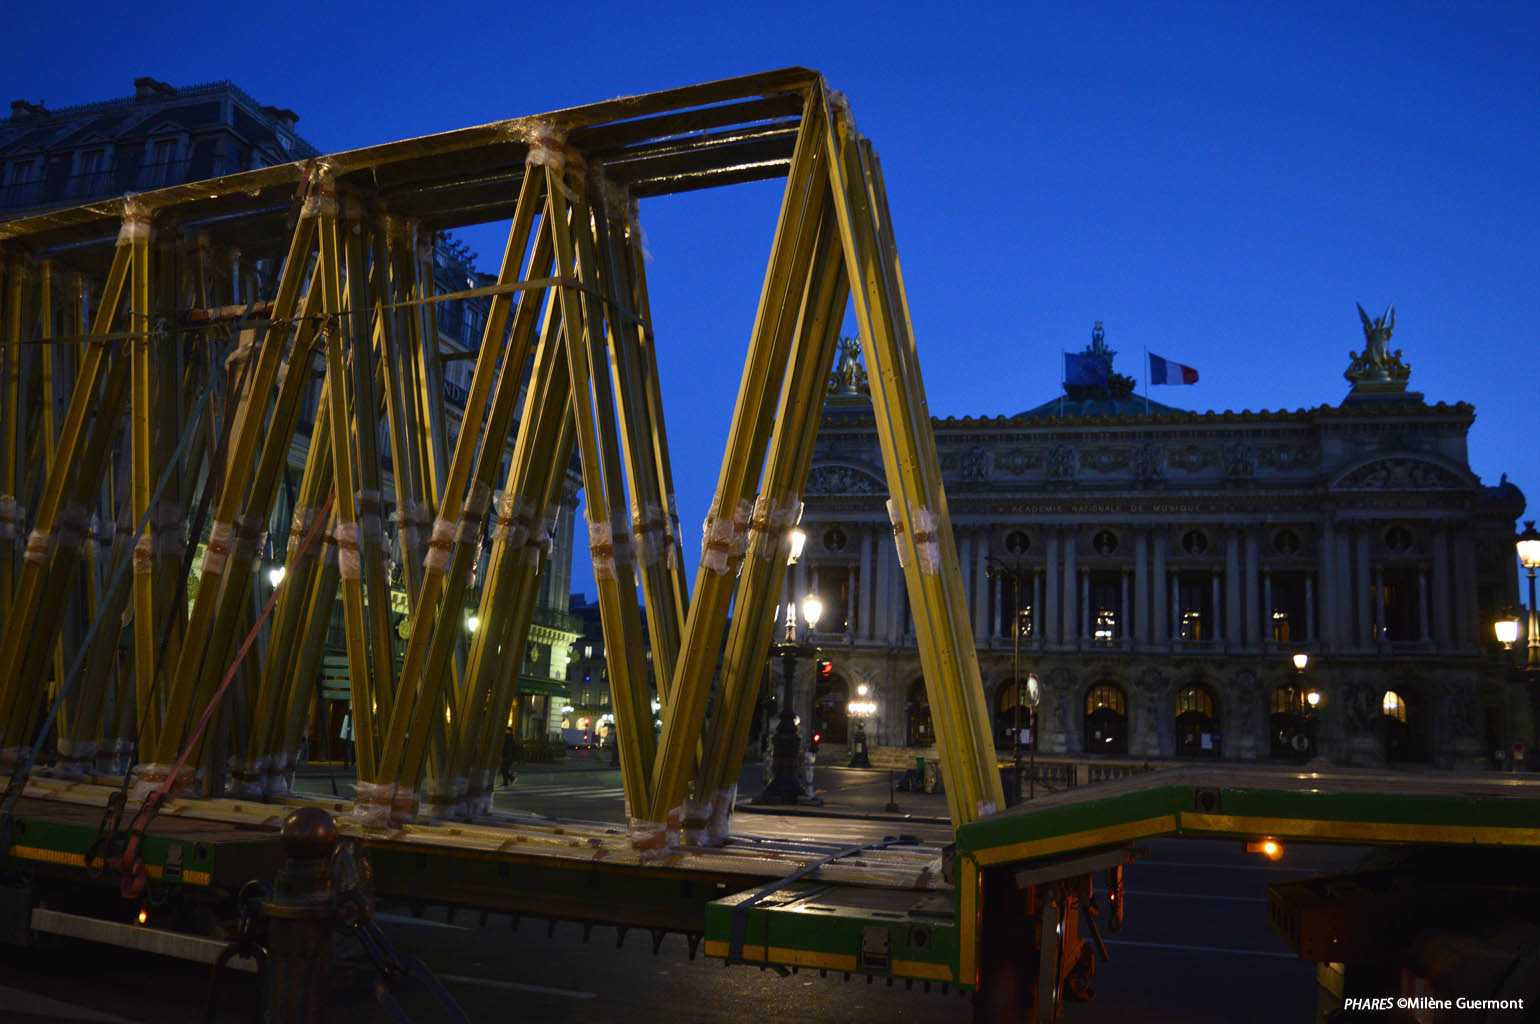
(1195, 698)
(1105, 595)
(1394, 706)
(1104, 696)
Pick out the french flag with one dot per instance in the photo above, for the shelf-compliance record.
(1164, 371)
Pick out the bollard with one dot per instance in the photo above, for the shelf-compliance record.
(301, 916)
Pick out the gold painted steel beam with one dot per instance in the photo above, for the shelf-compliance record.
(727, 522)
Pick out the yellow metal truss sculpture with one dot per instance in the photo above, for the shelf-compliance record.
(151, 399)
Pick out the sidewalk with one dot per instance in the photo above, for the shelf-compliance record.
(843, 792)
(848, 793)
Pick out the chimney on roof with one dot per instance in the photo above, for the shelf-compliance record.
(21, 110)
(283, 116)
(152, 88)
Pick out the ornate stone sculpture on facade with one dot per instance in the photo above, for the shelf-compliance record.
(1240, 460)
(1149, 462)
(1062, 462)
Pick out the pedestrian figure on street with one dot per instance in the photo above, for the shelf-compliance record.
(507, 765)
(346, 736)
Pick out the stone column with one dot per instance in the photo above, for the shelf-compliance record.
(1379, 607)
(981, 591)
(1085, 630)
(1233, 633)
(1037, 608)
(1465, 589)
(1363, 637)
(1443, 631)
(1422, 605)
(1051, 590)
(1310, 630)
(994, 609)
(1141, 633)
(1176, 607)
(1071, 583)
(851, 587)
(1346, 605)
(880, 614)
(1124, 631)
(864, 613)
(1158, 628)
(1214, 604)
(1266, 625)
(1330, 588)
(1253, 621)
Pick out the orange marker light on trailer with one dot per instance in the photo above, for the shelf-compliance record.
(1270, 848)
(144, 914)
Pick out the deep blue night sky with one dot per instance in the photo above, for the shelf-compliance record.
(1217, 182)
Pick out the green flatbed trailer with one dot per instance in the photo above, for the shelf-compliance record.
(1008, 912)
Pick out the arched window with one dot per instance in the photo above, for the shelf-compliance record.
(1106, 720)
(1197, 722)
(1404, 727)
(1290, 732)
(1393, 706)
(1006, 720)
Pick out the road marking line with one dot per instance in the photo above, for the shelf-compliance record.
(1197, 896)
(570, 993)
(1201, 949)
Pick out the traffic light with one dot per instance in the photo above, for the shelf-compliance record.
(825, 669)
(812, 746)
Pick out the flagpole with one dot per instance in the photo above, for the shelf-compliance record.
(1062, 369)
(1146, 380)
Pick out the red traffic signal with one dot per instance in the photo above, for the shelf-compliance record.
(825, 668)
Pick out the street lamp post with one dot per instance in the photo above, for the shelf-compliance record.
(860, 709)
(1507, 628)
(997, 568)
(1309, 701)
(1529, 555)
(784, 786)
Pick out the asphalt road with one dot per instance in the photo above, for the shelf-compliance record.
(1196, 947)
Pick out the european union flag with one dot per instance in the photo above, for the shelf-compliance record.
(1085, 369)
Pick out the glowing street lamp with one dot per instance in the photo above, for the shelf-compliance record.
(784, 787)
(860, 709)
(1309, 702)
(1528, 546)
(1507, 628)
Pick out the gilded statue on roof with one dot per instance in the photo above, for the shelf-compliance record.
(1377, 368)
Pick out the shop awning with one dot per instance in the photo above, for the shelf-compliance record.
(543, 687)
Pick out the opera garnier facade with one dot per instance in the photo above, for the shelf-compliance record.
(1158, 571)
